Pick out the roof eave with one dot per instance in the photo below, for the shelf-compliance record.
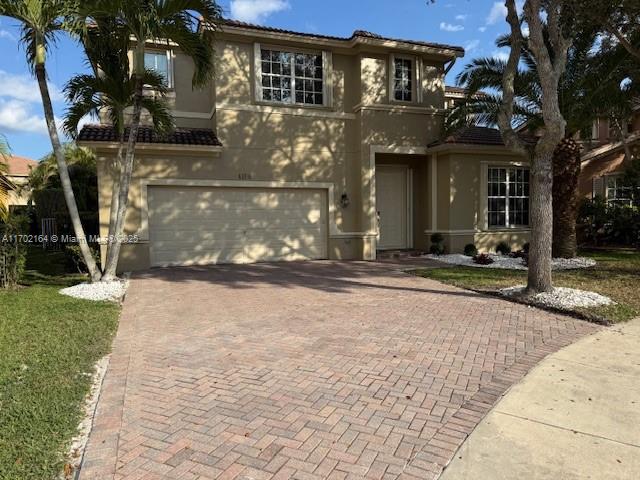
(154, 147)
(350, 43)
(472, 148)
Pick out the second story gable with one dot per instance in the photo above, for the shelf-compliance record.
(260, 67)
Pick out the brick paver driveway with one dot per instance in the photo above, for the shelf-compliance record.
(305, 370)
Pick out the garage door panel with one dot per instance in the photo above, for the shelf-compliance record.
(201, 225)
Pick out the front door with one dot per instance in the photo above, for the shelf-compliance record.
(391, 205)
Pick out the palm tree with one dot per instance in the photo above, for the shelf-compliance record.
(188, 24)
(4, 153)
(109, 90)
(41, 22)
(585, 92)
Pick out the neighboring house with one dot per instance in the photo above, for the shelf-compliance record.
(308, 146)
(6, 189)
(18, 170)
(603, 162)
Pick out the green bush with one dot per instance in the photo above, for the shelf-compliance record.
(437, 237)
(74, 257)
(13, 251)
(470, 250)
(437, 249)
(503, 248)
(609, 224)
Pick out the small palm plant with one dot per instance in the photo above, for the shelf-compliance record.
(189, 24)
(110, 91)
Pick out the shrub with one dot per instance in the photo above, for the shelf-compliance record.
(13, 251)
(437, 237)
(470, 250)
(525, 248)
(437, 249)
(437, 245)
(483, 259)
(503, 248)
(75, 259)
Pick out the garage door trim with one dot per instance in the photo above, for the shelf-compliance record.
(143, 232)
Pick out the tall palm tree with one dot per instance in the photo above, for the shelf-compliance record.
(188, 24)
(4, 153)
(41, 21)
(109, 90)
(586, 92)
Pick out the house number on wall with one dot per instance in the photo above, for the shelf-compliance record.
(244, 176)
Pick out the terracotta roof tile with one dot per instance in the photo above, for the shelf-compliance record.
(179, 136)
(356, 33)
(18, 166)
(479, 136)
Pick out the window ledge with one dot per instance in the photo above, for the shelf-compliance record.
(294, 105)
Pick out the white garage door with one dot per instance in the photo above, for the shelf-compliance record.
(204, 225)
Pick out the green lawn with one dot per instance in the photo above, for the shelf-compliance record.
(48, 346)
(617, 275)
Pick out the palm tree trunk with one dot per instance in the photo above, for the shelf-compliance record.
(115, 188)
(63, 171)
(539, 276)
(566, 172)
(113, 254)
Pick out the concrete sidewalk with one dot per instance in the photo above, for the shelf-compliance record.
(575, 416)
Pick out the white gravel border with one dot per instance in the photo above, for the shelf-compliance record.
(79, 441)
(561, 298)
(508, 263)
(99, 291)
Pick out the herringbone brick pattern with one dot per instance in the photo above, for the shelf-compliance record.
(319, 370)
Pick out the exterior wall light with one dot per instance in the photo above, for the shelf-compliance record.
(344, 200)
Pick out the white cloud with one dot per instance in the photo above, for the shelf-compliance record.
(447, 27)
(256, 11)
(498, 12)
(8, 35)
(461, 18)
(17, 116)
(482, 29)
(25, 88)
(471, 46)
(500, 55)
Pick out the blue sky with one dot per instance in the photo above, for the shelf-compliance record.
(470, 24)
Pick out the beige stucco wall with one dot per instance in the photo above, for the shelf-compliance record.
(20, 196)
(265, 142)
(461, 202)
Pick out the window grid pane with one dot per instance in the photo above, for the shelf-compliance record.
(157, 62)
(403, 79)
(508, 197)
(292, 77)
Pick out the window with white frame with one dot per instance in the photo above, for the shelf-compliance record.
(617, 192)
(290, 77)
(158, 61)
(402, 79)
(508, 196)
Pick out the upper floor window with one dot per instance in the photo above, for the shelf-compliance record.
(293, 78)
(508, 196)
(617, 192)
(402, 79)
(159, 63)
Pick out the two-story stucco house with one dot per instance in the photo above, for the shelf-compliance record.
(307, 146)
